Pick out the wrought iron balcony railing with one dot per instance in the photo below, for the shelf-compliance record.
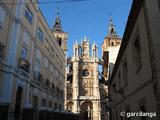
(24, 64)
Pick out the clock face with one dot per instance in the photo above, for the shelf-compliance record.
(85, 73)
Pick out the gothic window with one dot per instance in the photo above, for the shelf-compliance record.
(29, 15)
(137, 54)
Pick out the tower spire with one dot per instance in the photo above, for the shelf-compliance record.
(58, 11)
(57, 27)
(111, 28)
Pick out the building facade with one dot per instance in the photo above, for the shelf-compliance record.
(82, 85)
(32, 63)
(135, 81)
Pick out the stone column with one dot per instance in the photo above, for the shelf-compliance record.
(96, 104)
(75, 84)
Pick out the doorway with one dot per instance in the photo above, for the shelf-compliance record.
(18, 103)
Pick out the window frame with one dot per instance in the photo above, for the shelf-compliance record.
(29, 15)
(40, 34)
(24, 48)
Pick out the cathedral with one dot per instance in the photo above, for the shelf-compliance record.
(82, 85)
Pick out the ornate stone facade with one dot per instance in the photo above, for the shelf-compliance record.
(82, 85)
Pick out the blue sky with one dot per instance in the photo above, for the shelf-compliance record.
(88, 18)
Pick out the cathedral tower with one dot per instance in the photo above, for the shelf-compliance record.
(110, 48)
(83, 82)
(59, 34)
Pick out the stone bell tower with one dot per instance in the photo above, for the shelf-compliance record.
(59, 34)
(83, 82)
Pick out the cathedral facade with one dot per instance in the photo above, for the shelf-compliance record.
(82, 86)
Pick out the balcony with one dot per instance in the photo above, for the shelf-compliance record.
(24, 64)
(2, 48)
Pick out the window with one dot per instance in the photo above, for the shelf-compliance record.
(35, 102)
(112, 43)
(24, 52)
(57, 90)
(40, 34)
(37, 66)
(29, 15)
(2, 17)
(50, 104)
(137, 54)
(43, 102)
(85, 73)
(38, 55)
(56, 23)
(60, 41)
(55, 106)
(53, 86)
